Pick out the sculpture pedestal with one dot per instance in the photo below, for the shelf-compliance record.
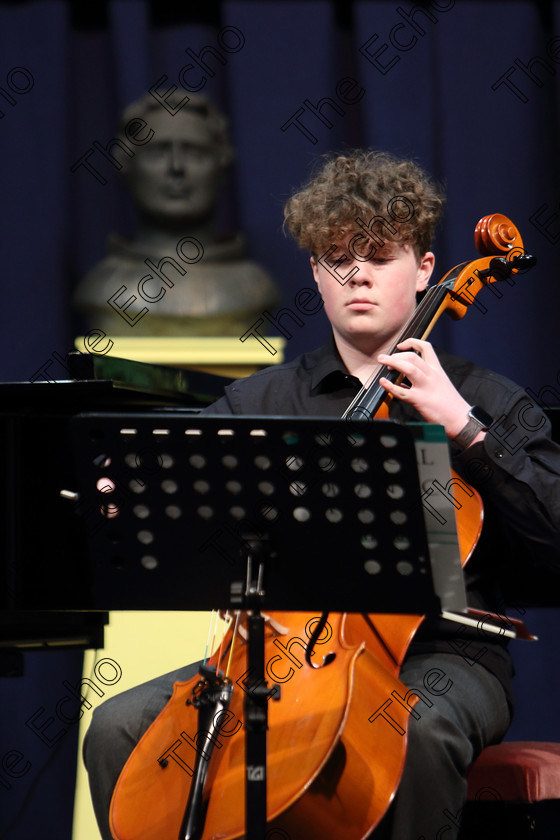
(224, 356)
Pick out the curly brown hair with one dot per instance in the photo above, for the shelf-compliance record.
(392, 197)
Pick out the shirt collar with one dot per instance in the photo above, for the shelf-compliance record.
(328, 371)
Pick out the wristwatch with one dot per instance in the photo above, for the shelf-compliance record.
(478, 421)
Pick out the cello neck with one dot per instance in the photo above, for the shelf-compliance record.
(369, 399)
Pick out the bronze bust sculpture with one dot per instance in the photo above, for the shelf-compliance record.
(176, 277)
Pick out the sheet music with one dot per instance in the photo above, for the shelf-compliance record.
(434, 471)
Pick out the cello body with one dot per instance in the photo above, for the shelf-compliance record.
(319, 758)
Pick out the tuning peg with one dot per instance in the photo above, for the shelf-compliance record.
(523, 261)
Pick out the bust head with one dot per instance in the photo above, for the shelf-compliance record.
(174, 179)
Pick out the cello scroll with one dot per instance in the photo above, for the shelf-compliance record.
(494, 236)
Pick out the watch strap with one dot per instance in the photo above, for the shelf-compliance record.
(478, 420)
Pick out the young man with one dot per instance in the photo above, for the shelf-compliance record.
(368, 219)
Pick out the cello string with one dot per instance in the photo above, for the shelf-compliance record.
(227, 617)
(215, 627)
(233, 640)
(212, 618)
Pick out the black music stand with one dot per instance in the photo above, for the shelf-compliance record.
(287, 490)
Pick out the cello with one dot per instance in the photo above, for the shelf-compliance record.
(327, 774)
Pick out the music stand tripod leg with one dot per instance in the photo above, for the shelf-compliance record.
(257, 695)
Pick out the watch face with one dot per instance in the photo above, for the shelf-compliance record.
(481, 416)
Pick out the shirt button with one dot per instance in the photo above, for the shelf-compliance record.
(499, 453)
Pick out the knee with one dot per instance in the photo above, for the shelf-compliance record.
(110, 726)
(437, 741)
(118, 724)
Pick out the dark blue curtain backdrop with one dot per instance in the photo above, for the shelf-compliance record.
(469, 89)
